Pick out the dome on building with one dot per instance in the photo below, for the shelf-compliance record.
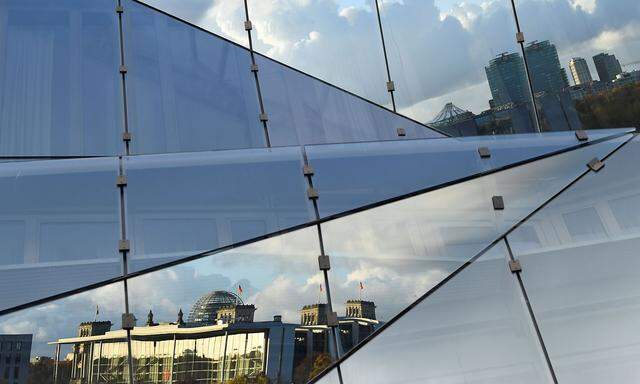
(206, 308)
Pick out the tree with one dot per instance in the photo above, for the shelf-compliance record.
(321, 362)
(619, 107)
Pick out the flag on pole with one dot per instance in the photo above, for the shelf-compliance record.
(361, 285)
(320, 287)
(240, 289)
(97, 313)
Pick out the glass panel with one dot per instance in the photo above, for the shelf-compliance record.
(226, 19)
(385, 258)
(189, 90)
(330, 378)
(457, 67)
(474, 329)
(337, 41)
(58, 73)
(303, 110)
(348, 175)
(583, 59)
(60, 223)
(181, 205)
(233, 305)
(78, 336)
(581, 274)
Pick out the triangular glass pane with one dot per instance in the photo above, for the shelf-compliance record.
(304, 110)
(353, 175)
(580, 268)
(188, 90)
(389, 256)
(475, 328)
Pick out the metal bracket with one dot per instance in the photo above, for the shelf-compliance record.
(312, 193)
(324, 263)
(121, 181)
(391, 86)
(119, 9)
(307, 170)
(520, 37)
(264, 117)
(484, 152)
(123, 245)
(248, 25)
(254, 67)
(402, 132)
(595, 164)
(123, 69)
(498, 203)
(332, 319)
(126, 136)
(582, 135)
(514, 266)
(128, 321)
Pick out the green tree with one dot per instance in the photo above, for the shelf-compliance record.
(619, 107)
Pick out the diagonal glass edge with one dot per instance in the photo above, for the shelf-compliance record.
(461, 268)
(330, 218)
(291, 68)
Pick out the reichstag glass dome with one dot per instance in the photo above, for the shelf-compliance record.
(206, 308)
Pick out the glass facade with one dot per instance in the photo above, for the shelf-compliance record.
(58, 72)
(178, 208)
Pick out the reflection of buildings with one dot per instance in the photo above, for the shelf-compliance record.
(507, 79)
(510, 108)
(580, 71)
(607, 66)
(544, 67)
(231, 346)
(15, 351)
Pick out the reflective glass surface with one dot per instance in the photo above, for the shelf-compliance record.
(330, 378)
(389, 256)
(352, 175)
(223, 310)
(60, 90)
(474, 329)
(580, 265)
(59, 225)
(187, 89)
(73, 340)
(336, 41)
(303, 110)
(584, 62)
(181, 205)
(457, 67)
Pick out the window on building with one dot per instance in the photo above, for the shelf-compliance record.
(16, 372)
(18, 345)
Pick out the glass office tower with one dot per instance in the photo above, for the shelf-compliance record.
(178, 208)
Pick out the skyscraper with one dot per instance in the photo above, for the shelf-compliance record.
(607, 66)
(580, 71)
(507, 79)
(544, 66)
